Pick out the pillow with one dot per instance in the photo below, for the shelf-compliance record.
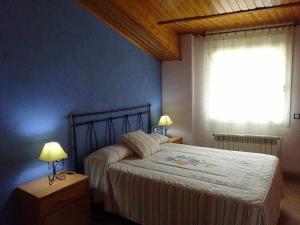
(161, 139)
(141, 143)
(111, 153)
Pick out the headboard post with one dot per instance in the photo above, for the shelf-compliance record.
(74, 141)
(149, 119)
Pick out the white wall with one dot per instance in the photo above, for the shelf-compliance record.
(291, 143)
(179, 95)
(177, 92)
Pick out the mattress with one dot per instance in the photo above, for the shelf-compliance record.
(184, 184)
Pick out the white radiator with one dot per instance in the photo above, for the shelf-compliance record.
(248, 143)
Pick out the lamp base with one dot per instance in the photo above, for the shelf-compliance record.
(165, 131)
(55, 176)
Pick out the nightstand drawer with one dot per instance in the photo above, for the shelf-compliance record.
(63, 197)
(77, 213)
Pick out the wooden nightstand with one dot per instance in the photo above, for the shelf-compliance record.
(176, 140)
(65, 202)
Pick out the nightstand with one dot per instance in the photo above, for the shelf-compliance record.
(65, 202)
(176, 140)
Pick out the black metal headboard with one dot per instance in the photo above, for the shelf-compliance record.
(89, 123)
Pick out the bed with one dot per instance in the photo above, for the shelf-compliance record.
(182, 185)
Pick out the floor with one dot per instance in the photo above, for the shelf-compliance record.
(290, 205)
(290, 208)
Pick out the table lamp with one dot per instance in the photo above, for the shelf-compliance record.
(165, 121)
(54, 155)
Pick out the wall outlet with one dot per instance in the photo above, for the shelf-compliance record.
(157, 130)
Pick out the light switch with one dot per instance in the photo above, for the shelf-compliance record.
(297, 116)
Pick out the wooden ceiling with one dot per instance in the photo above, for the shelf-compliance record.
(155, 25)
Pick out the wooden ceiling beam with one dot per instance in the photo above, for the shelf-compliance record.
(237, 13)
(142, 36)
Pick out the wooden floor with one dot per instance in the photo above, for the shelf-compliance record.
(290, 205)
(290, 208)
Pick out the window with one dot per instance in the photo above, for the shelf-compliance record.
(247, 81)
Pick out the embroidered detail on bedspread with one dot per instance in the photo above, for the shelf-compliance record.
(183, 160)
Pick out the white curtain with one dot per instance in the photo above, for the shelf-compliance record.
(247, 81)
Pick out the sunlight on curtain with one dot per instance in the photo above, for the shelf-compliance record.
(247, 81)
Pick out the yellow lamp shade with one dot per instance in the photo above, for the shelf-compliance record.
(165, 120)
(52, 151)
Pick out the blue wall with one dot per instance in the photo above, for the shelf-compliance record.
(55, 58)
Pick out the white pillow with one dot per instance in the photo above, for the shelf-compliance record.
(141, 143)
(111, 153)
(161, 139)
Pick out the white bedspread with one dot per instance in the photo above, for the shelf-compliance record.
(193, 185)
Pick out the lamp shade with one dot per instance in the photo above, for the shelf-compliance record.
(51, 152)
(165, 120)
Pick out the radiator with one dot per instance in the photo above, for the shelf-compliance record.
(248, 143)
